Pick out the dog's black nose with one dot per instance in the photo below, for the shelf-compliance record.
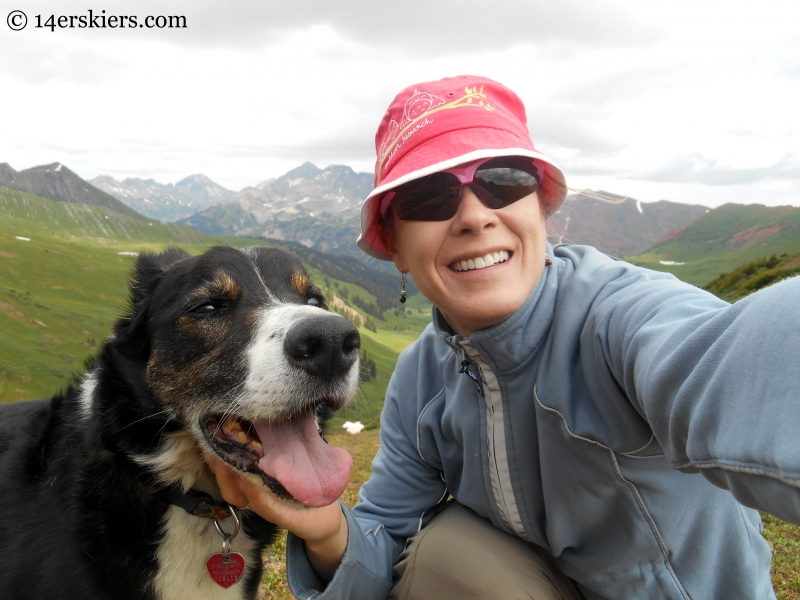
(325, 346)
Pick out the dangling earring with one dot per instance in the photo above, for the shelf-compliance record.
(403, 289)
(547, 261)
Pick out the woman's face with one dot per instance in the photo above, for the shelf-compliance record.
(475, 299)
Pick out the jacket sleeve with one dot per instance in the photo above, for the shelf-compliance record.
(719, 384)
(393, 505)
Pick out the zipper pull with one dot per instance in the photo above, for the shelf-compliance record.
(467, 367)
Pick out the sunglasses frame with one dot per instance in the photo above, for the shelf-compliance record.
(465, 174)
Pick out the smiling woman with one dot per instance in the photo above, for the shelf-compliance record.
(579, 411)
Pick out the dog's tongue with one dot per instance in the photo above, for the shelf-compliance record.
(295, 454)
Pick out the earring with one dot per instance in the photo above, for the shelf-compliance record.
(547, 261)
(403, 289)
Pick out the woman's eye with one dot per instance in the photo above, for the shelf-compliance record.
(314, 302)
(204, 309)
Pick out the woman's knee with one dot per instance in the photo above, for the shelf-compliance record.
(461, 555)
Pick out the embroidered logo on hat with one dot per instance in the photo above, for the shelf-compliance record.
(419, 105)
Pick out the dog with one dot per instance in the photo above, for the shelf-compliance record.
(105, 488)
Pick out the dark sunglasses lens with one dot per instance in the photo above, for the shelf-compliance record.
(432, 198)
(499, 185)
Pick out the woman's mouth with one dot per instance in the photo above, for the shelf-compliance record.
(481, 262)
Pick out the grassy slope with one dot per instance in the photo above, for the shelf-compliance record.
(754, 275)
(724, 238)
(60, 291)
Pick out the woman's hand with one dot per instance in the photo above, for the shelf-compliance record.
(323, 529)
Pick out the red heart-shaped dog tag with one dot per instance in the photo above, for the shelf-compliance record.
(225, 570)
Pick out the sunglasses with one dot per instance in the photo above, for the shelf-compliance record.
(497, 182)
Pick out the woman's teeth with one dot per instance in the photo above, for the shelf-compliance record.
(481, 261)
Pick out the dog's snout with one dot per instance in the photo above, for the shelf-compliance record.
(323, 346)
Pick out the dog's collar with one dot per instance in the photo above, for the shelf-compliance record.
(194, 502)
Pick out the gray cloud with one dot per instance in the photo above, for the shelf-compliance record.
(42, 63)
(586, 168)
(62, 149)
(624, 85)
(790, 69)
(741, 132)
(695, 168)
(551, 128)
(418, 27)
(324, 150)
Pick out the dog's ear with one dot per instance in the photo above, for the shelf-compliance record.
(131, 331)
(148, 271)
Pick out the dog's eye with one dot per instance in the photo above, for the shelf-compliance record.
(205, 309)
(314, 301)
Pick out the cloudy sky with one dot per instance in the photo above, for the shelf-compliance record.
(688, 100)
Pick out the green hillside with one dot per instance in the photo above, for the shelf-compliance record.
(723, 239)
(31, 216)
(57, 182)
(63, 285)
(754, 275)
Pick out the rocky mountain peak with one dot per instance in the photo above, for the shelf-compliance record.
(305, 171)
(56, 182)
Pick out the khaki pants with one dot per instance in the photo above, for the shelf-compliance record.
(461, 556)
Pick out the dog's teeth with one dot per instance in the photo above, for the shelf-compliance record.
(232, 425)
(241, 437)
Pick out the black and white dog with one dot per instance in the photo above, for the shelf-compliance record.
(104, 489)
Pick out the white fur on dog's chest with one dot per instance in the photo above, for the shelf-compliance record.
(187, 544)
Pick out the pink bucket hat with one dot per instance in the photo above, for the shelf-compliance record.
(441, 124)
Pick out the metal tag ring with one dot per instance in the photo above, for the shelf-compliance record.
(229, 536)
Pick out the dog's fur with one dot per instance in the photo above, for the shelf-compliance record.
(205, 336)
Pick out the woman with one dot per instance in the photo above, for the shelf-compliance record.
(599, 426)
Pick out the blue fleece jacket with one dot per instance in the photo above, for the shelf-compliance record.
(621, 420)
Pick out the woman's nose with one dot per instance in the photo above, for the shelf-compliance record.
(472, 216)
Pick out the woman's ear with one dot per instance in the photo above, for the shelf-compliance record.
(389, 236)
(399, 262)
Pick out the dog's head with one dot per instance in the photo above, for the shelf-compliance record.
(240, 350)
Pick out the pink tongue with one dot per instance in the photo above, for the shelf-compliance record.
(310, 470)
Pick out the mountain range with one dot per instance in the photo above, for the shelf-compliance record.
(320, 209)
(166, 202)
(306, 191)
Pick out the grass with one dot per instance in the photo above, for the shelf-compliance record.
(785, 541)
(754, 275)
